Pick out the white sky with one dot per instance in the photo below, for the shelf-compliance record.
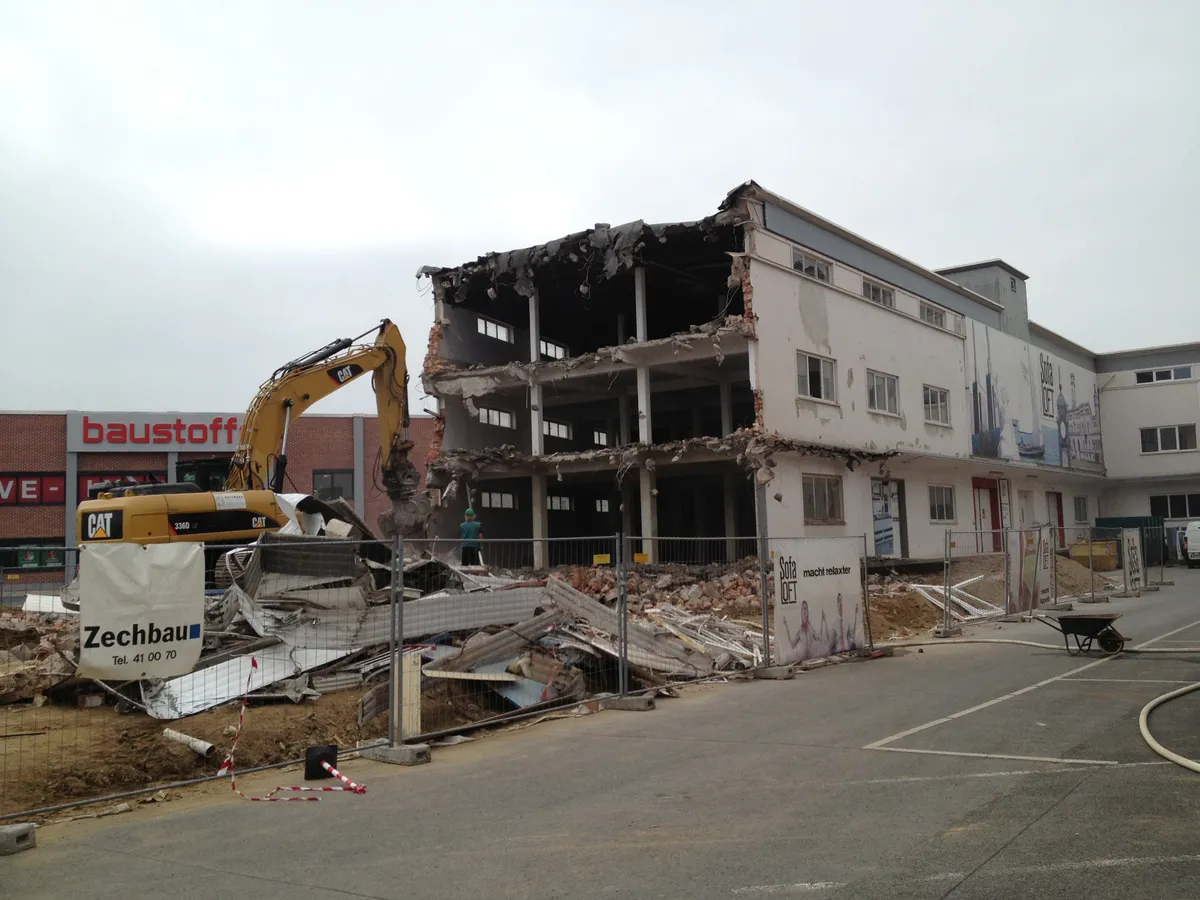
(193, 193)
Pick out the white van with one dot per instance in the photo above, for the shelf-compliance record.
(1192, 536)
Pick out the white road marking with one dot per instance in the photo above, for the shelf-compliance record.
(882, 744)
(1126, 680)
(1045, 759)
(1128, 862)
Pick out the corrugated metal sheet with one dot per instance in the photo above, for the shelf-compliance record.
(207, 688)
(451, 612)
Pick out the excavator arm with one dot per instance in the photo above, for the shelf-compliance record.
(260, 461)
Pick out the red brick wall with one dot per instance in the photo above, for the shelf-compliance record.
(122, 462)
(317, 442)
(32, 442)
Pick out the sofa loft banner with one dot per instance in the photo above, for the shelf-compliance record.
(89, 432)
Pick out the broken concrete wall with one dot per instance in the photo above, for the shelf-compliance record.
(462, 344)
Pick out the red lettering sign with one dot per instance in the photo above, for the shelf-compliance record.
(54, 489)
(217, 432)
(31, 490)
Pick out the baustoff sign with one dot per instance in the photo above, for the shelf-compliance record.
(89, 432)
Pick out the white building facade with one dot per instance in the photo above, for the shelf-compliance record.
(830, 342)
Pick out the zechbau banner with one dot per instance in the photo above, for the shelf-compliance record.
(141, 610)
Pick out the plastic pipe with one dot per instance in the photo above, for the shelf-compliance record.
(201, 748)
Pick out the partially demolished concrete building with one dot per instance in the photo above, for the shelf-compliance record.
(667, 380)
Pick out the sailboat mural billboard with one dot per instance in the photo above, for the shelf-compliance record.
(1029, 405)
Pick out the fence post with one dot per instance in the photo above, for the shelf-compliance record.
(760, 502)
(622, 616)
(948, 628)
(1091, 562)
(1007, 586)
(867, 598)
(396, 598)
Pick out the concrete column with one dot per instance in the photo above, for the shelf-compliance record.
(646, 485)
(626, 508)
(726, 408)
(360, 466)
(729, 490)
(639, 301)
(172, 461)
(70, 505)
(623, 436)
(537, 442)
(645, 430)
(541, 522)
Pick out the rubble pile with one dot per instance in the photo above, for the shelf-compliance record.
(34, 653)
(730, 589)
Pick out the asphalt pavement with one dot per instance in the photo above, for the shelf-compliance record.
(969, 771)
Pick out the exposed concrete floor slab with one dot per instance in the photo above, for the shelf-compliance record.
(752, 789)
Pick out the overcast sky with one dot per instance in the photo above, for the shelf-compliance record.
(193, 193)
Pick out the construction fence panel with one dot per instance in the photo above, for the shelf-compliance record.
(692, 609)
(1156, 553)
(974, 575)
(517, 629)
(36, 572)
(818, 600)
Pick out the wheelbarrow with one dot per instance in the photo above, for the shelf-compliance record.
(1086, 628)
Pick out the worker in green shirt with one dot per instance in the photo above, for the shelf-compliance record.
(470, 531)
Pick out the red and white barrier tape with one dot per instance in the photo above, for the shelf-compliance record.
(228, 767)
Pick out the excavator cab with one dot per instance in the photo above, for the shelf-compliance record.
(209, 474)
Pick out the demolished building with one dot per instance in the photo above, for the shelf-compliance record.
(671, 380)
(605, 382)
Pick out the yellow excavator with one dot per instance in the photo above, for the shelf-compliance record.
(247, 505)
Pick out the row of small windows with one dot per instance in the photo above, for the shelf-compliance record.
(1168, 438)
(554, 502)
(823, 501)
(815, 267)
(502, 332)
(502, 418)
(1149, 376)
(816, 378)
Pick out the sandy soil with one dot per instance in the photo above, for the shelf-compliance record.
(53, 754)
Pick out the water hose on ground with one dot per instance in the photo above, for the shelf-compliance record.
(1143, 718)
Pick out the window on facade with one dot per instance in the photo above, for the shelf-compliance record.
(600, 438)
(497, 500)
(823, 500)
(937, 405)
(501, 418)
(1012, 284)
(602, 506)
(553, 350)
(1175, 506)
(330, 484)
(558, 502)
(815, 377)
(1081, 509)
(1149, 376)
(1168, 438)
(810, 265)
(933, 315)
(877, 293)
(882, 393)
(493, 329)
(556, 429)
(941, 503)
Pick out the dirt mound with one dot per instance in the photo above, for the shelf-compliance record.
(59, 753)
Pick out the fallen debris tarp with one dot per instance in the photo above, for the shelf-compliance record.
(185, 695)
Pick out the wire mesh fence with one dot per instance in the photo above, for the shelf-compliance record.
(357, 643)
